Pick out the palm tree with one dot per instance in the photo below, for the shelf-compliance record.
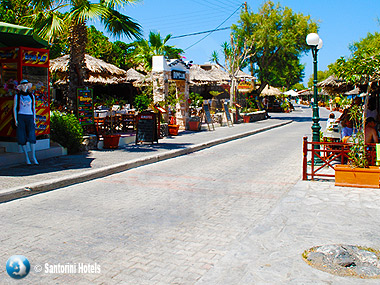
(155, 45)
(51, 23)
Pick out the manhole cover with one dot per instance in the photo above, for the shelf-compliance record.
(345, 260)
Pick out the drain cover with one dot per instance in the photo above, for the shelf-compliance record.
(345, 260)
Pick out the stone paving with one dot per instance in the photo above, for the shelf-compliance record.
(184, 225)
(312, 214)
(165, 223)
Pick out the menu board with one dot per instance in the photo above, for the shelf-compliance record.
(227, 112)
(206, 110)
(85, 106)
(147, 127)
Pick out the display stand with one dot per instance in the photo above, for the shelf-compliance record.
(17, 63)
(159, 110)
(228, 115)
(207, 114)
(146, 130)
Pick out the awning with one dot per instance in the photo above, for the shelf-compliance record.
(14, 36)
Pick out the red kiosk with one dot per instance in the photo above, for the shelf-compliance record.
(17, 63)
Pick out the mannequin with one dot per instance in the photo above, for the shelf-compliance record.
(24, 111)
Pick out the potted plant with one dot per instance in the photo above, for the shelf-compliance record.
(171, 101)
(357, 173)
(111, 140)
(195, 102)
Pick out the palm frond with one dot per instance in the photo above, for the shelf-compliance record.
(117, 3)
(119, 24)
(48, 25)
(85, 10)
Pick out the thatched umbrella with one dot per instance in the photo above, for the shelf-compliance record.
(334, 85)
(133, 75)
(270, 91)
(99, 71)
(243, 75)
(355, 91)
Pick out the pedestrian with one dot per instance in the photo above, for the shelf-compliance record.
(370, 131)
(24, 111)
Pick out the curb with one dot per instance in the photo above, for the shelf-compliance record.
(52, 184)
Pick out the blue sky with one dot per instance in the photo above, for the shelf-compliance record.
(341, 22)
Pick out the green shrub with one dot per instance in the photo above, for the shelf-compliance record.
(67, 131)
(142, 102)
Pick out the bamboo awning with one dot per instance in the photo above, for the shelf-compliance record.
(200, 76)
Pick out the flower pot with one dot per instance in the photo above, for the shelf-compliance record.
(194, 126)
(173, 129)
(247, 119)
(347, 176)
(111, 141)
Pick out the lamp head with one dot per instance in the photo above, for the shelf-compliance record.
(320, 44)
(312, 39)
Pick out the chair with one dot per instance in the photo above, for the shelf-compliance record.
(100, 125)
(129, 120)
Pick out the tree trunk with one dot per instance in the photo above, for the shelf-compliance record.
(77, 70)
(233, 91)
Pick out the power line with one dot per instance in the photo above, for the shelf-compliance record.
(198, 33)
(215, 28)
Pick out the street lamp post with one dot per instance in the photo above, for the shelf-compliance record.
(315, 42)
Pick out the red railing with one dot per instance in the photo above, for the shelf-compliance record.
(319, 158)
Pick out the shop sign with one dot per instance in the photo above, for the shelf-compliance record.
(35, 57)
(8, 54)
(178, 75)
(245, 87)
(85, 106)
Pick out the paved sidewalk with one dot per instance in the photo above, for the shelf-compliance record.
(310, 214)
(62, 171)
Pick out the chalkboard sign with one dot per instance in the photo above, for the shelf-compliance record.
(85, 106)
(146, 127)
(227, 112)
(206, 110)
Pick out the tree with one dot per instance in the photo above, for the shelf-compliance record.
(298, 87)
(363, 66)
(235, 56)
(98, 44)
(50, 23)
(279, 37)
(144, 50)
(321, 75)
(15, 12)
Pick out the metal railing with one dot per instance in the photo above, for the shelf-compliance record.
(319, 158)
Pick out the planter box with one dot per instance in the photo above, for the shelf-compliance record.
(111, 141)
(357, 177)
(247, 119)
(173, 129)
(194, 126)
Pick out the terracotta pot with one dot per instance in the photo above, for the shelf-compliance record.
(194, 126)
(111, 141)
(357, 177)
(247, 119)
(173, 129)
